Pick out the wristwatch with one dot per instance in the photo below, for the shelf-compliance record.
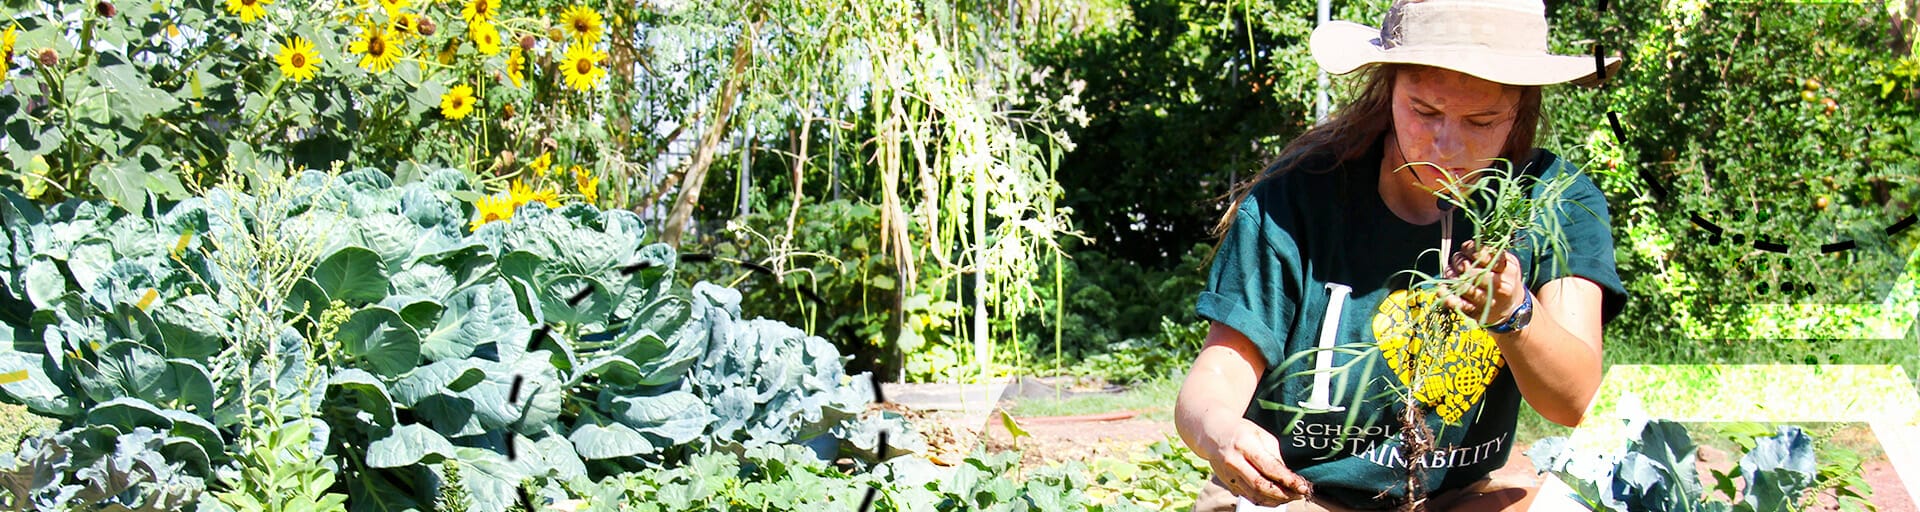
(1518, 320)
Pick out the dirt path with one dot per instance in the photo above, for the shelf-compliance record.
(1054, 440)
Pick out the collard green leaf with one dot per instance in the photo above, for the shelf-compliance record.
(121, 369)
(612, 370)
(44, 282)
(450, 415)
(444, 377)
(127, 414)
(418, 312)
(307, 298)
(537, 407)
(1657, 472)
(390, 490)
(424, 280)
(429, 209)
(192, 326)
(596, 442)
(473, 316)
(675, 418)
(407, 445)
(130, 322)
(44, 391)
(354, 274)
(198, 429)
(357, 390)
(380, 341)
(125, 282)
(189, 453)
(18, 216)
(492, 481)
(185, 386)
(665, 341)
(577, 300)
(387, 234)
(1778, 471)
(551, 453)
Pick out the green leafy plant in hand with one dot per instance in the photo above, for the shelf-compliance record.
(1507, 210)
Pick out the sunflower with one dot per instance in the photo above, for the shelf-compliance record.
(298, 61)
(550, 196)
(404, 24)
(520, 193)
(542, 164)
(583, 23)
(517, 66)
(457, 103)
(393, 7)
(491, 208)
(248, 10)
(447, 53)
(378, 48)
(486, 38)
(6, 50)
(582, 67)
(479, 11)
(588, 184)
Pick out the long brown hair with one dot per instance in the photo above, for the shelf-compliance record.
(1350, 132)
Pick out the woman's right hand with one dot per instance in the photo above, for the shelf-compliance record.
(1246, 459)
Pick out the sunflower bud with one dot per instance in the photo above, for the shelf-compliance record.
(526, 42)
(104, 9)
(506, 112)
(427, 28)
(47, 58)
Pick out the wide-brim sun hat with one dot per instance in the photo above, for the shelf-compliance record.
(1502, 41)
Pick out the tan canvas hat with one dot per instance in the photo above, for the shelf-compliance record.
(1503, 41)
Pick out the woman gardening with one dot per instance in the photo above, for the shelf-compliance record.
(1315, 254)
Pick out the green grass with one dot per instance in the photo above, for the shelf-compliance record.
(1154, 396)
(1534, 427)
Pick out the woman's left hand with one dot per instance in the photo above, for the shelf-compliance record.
(1508, 286)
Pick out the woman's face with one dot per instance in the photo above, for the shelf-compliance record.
(1450, 119)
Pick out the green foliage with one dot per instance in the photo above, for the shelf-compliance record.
(554, 344)
(1773, 121)
(844, 286)
(1119, 320)
(1656, 471)
(280, 473)
(1166, 477)
(1183, 99)
(787, 479)
(1137, 360)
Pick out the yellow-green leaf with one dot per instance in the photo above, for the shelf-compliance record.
(1006, 420)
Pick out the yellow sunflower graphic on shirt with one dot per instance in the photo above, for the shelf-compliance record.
(1452, 360)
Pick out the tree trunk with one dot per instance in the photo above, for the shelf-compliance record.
(696, 170)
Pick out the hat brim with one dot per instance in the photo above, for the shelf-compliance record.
(1344, 46)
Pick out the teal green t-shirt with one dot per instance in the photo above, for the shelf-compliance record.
(1304, 241)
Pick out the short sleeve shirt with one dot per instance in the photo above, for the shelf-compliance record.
(1315, 259)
